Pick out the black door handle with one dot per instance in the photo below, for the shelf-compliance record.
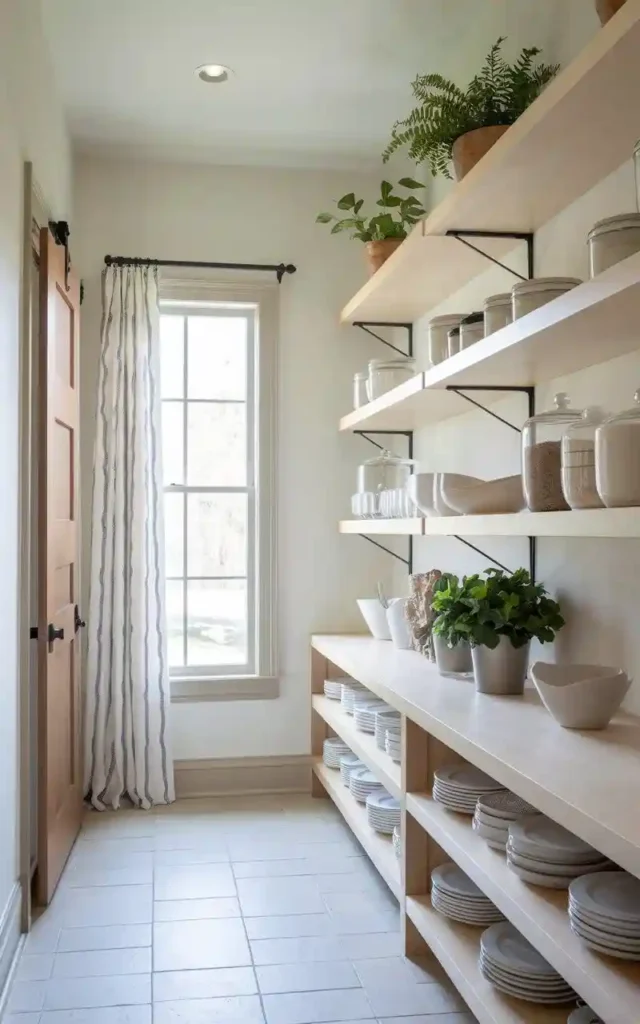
(54, 634)
(78, 623)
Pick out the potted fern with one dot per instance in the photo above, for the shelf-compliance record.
(385, 231)
(462, 125)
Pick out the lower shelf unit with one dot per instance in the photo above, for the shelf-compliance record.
(444, 721)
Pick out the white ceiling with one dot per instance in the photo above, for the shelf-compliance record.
(316, 83)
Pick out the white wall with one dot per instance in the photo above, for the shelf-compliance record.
(31, 128)
(240, 214)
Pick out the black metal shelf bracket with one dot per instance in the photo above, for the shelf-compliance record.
(521, 236)
(366, 325)
(394, 554)
(393, 433)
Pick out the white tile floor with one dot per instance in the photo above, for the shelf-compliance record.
(258, 910)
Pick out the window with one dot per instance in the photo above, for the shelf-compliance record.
(218, 509)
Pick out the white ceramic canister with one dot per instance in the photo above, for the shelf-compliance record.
(529, 295)
(471, 329)
(439, 328)
(385, 374)
(612, 240)
(497, 312)
(360, 395)
(618, 458)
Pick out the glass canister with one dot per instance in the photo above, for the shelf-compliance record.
(541, 456)
(439, 328)
(377, 477)
(360, 396)
(453, 341)
(385, 374)
(579, 460)
(613, 240)
(529, 295)
(471, 329)
(618, 458)
(497, 312)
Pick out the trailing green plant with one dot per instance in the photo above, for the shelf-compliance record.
(497, 95)
(483, 610)
(397, 216)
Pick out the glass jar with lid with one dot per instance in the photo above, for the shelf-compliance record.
(579, 460)
(385, 374)
(377, 477)
(541, 456)
(360, 396)
(618, 458)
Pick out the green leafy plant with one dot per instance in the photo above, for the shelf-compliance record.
(398, 214)
(498, 95)
(483, 610)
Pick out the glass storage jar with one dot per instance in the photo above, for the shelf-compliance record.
(439, 328)
(613, 240)
(579, 460)
(541, 456)
(385, 374)
(618, 458)
(453, 341)
(360, 396)
(529, 295)
(376, 478)
(471, 329)
(497, 312)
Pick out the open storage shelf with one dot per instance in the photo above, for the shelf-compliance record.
(599, 522)
(363, 744)
(542, 164)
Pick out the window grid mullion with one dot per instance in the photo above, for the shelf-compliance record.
(185, 507)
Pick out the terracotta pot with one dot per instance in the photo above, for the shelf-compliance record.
(379, 252)
(607, 8)
(472, 146)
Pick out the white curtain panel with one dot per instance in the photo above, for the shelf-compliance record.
(127, 696)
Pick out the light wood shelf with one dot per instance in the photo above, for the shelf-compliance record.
(611, 987)
(363, 744)
(457, 947)
(543, 163)
(378, 847)
(601, 522)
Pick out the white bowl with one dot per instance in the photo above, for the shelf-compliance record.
(375, 616)
(446, 480)
(580, 696)
(420, 492)
(490, 498)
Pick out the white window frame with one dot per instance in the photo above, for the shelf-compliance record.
(260, 680)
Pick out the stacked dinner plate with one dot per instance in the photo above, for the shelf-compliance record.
(393, 745)
(333, 688)
(362, 783)
(584, 1015)
(459, 786)
(494, 813)
(396, 839)
(514, 967)
(333, 749)
(364, 714)
(543, 853)
(349, 692)
(386, 719)
(383, 811)
(456, 896)
(348, 762)
(604, 910)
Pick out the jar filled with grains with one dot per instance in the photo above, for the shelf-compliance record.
(541, 456)
(579, 460)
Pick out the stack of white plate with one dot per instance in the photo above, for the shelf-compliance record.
(365, 714)
(348, 696)
(362, 782)
(584, 1015)
(604, 910)
(543, 853)
(383, 812)
(494, 813)
(459, 786)
(514, 967)
(348, 762)
(396, 839)
(386, 719)
(333, 749)
(456, 896)
(393, 745)
(333, 688)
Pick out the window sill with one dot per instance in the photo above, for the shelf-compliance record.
(223, 688)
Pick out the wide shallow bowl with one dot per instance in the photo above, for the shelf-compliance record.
(484, 499)
(420, 493)
(449, 480)
(375, 616)
(580, 696)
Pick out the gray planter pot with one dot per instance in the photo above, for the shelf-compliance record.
(452, 661)
(502, 671)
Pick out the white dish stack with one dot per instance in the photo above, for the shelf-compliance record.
(383, 812)
(543, 853)
(604, 911)
(365, 712)
(393, 742)
(493, 815)
(362, 783)
(348, 763)
(333, 688)
(385, 719)
(456, 896)
(459, 786)
(333, 749)
(349, 692)
(396, 839)
(515, 968)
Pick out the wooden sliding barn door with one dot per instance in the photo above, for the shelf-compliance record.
(59, 698)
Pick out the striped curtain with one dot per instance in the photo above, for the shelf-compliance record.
(127, 751)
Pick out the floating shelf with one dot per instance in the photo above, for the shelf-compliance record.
(545, 161)
(591, 324)
(378, 847)
(363, 744)
(600, 522)
(610, 986)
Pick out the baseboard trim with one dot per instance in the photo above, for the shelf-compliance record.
(11, 942)
(243, 775)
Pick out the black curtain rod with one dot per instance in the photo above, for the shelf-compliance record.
(279, 269)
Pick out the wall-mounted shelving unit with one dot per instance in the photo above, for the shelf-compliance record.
(599, 522)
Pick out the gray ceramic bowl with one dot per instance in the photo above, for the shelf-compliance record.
(580, 696)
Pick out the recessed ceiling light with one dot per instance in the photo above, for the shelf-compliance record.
(213, 72)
